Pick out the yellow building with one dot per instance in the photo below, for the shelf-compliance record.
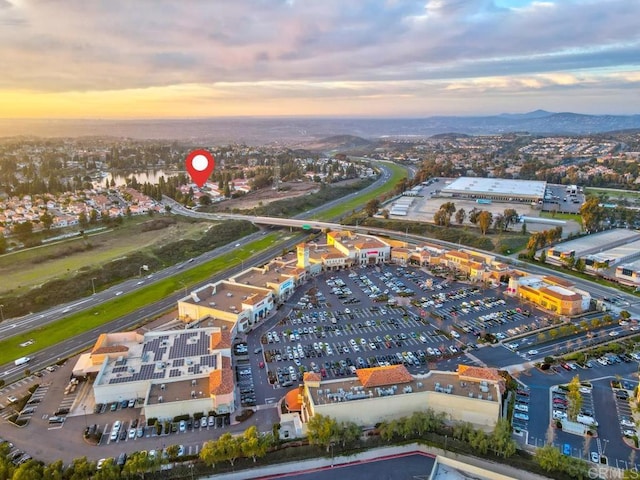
(380, 394)
(551, 293)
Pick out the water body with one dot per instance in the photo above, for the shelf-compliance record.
(149, 176)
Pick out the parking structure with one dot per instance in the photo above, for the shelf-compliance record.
(384, 315)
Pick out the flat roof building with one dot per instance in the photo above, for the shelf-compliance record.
(169, 372)
(499, 189)
(552, 293)
(379, 394)
(240, 305)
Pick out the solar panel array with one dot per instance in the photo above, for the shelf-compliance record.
(178, 362)
(185, 346)
(188, 348)
(209, 360)
(147, 372)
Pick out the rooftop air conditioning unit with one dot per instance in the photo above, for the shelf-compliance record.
(163, 386)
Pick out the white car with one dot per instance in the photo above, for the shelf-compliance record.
(455, 334)
(532, 352)
(615, 333)
(625, 422)
(595, 457)
(629, 433)
(521, 416)
(585, 390)
(132, 433)
(559, 415)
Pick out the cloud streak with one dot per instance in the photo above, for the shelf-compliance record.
(309, 48)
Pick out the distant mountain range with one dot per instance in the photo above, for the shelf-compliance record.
(267, 130)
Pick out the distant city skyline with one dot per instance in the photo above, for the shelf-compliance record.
(386, 58)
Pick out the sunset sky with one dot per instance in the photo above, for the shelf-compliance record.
(393, 58)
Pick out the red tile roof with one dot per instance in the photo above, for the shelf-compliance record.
(221, 382)
(380, 376)
(479, 373)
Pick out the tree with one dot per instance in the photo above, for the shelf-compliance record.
(23, 231)
(462, 430)
(549, 458)
(510, 216)
(479, 441)
(592, 213)
(3, 244)
(543, 256)
(138, 463)
(31, 470)
(460, 216)
(349, 433)
(210, 453)
(172, 450)
(625, 315)
(473, 215)
(110, 471)
(322, 430)
(484, 221)
(83, 221)
(80, 469)
(204, 200)
(574, 398)
(47, 220)
(501, 439)
(53, 471)
(580, 265)
(372, 206)
(253, 444)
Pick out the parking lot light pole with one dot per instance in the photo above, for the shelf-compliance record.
(605, 442)
(84, 409)
(93, 285)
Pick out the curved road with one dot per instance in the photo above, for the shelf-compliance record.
(43, 358)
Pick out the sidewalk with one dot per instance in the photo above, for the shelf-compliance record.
(372, 455)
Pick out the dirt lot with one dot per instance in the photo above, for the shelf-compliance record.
(268, 195)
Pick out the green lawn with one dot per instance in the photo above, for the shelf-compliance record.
(34, 266)
(613, 193)
(107, 312)
(397, 173)
(562, 216)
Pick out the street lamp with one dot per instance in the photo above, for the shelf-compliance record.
(604, 448)
(331, 454)
(1, 313)
(93, 285)
(184, 286)
(84, 409)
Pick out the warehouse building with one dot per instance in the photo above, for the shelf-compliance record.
(496, 189)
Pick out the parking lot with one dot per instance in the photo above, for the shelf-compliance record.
(382, 316)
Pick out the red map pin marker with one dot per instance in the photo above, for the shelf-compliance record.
(200, 164)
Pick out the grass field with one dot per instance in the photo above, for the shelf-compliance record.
(107, 312)
(562, 216)
(613, 193)
(397, 173)
(28, 268)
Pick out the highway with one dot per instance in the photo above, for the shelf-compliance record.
(43, 358)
